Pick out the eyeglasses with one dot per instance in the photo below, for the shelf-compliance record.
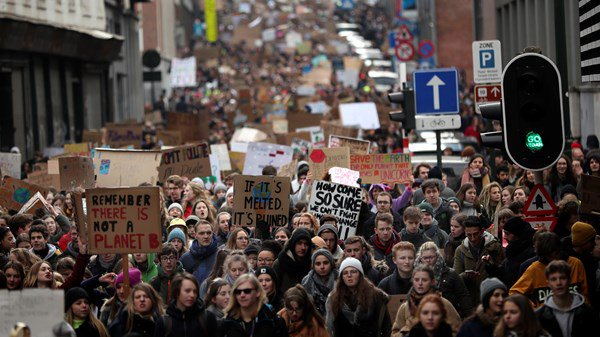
(168, 258)
(246, 291)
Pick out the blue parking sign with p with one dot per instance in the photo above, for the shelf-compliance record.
(486, 58)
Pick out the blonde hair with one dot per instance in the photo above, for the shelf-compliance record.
(102, 332)
(233, 309)
(27, 258)
(31, 279)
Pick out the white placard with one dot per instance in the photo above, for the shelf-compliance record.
(268, 35)
(319, 107)
(341, 175)
(183, 72)
(215, 167)
(239, 147)
(306, 90)
(292, 39)
(339, 200)
(40, 309)
(348, 77)
(10, 164)
(260, 155)
(361, 114)
(223, 153)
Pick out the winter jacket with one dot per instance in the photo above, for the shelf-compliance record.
(162, 283)
(480, 324)
(443, 213)
(416, 239)
(63, 225)
(450, 249)
(50, 256)
(374, 270)
(97, 269)
(142, 325)
(398, 204)
(404, 320)
(71, 251)
(87, 330)
(395, 285)
(534, 285)
(438, 236)
(200, 260)
(446, 192)
(300, 329)
(578, 321)
(289, 267)
(195, 321)
(362, 322)
(516, 253)
(266, 324)
(318, 289)
(465, 260)
(151, 269)
(453, 288)
(444, 330)
(369, 225)
(104, 315)
(385, 253)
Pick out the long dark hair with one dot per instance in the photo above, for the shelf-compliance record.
(529, 325)
(299, 295)
(365, 294)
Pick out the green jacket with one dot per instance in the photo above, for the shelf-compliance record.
(150, 271)
(162, 283)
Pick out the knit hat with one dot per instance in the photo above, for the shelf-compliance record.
(516, 225)
(192, 220)
(581, 233)
(251, 249)
(426, 207)
(435, 173)
(486, 289)
(175, 205)
(328, 227)
(351, 262)
(177, 222)
(454, 199)
(568, 188)
(229, 191)
(198, 181)
(324, 252)
(266, 270)
(176, 233)
(319, 242)
(220, 187)
(135, 277)
(73, 295)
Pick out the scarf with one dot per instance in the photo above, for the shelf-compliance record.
(432, 230)
(202, 252)
(414, 299)
(386, 248)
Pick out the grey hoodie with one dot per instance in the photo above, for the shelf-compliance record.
(565, 318)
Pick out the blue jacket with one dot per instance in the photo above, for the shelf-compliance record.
(200, 260)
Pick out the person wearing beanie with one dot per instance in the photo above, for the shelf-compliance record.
(581, 245)
(441, 210)
(175, 210)
(431, 227)
(179, 241)
(321, 278)
(251, 252)
(135, 277)
(293, 263)
(267, 277)
(329, 234)
(519, 235)
(355, 307)
(455, 204)
(229, 197)
(79, 315)
(568, 189)
(219, 192)
(488, 313)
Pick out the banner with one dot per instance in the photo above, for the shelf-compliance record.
(186, 161)
(261, 199)
(121, 135)
(260, 155)
(40, 309)
(339, 200)
(321, 160)
(123, 220)
(10, 164)
(392, 168)
(210, 17)
(357, 146)
(14, 193)
(115, 168)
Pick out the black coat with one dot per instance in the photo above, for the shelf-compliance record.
(419, 331)
(584, 321)
(87, 330)
(266, 324)
(369, 225)
(142, 325)
(394, 285)
(196, 321)
(516, 253)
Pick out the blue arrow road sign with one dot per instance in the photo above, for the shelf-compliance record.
(436, 91)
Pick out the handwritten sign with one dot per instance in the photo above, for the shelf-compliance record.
(260, 155)
(321, 160)
(15, 193)
(115, 168)
(40, 309)
(10, 164)
(120, 135)
(123, 220)
(192, 127)
(79, 149)
(344, 176)
(382, 168)
(590, 198)
(339, 200)
(221, 151)
(357, 146)
(261, 198)
(185, 161)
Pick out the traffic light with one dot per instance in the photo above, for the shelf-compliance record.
(492, 111)
(534, 135)
(406, 99)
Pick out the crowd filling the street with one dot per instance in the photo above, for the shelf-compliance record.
(276, 197)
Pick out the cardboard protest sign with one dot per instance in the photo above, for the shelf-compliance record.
(363, 114)
(39, 309)
(237, 160)
(185, 161)
(357, 146)
(120, 135)
(316, 76)
(288, 170)
(351, 62)
(336, 128)
(590, 196)
(37, 201)
(169, 137)
(193, 127)
(260, 155)
(280, 126)
(288, 138)
(339, 200)
(300, 145)
(321, 160)
(76, 171)
(394, 304)
(15, 193)
(115, 168)
(207, 53)
(221, 151)
(302, 120)
(123, 220)
(344, 176)
(94, 136)
(259, 199)
(80, 215)
(79, 149)
(393, 168)
(10, 164)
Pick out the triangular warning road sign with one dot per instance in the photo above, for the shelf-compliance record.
(539, 202)
(547, 222)
(404, 34)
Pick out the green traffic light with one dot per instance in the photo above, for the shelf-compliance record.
(534, 141)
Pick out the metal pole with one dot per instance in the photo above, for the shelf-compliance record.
(538, 177)
(152, 94)
(438, 140)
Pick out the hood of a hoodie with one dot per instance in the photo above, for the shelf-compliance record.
(382, 186)
(150, 265)
(161, 272)
(577, 302)
(487, 238)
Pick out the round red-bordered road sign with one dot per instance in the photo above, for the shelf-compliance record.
(404, 51)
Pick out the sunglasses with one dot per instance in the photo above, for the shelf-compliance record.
(246, 291)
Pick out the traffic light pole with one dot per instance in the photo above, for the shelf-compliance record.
(438, 140)
(538, 177)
